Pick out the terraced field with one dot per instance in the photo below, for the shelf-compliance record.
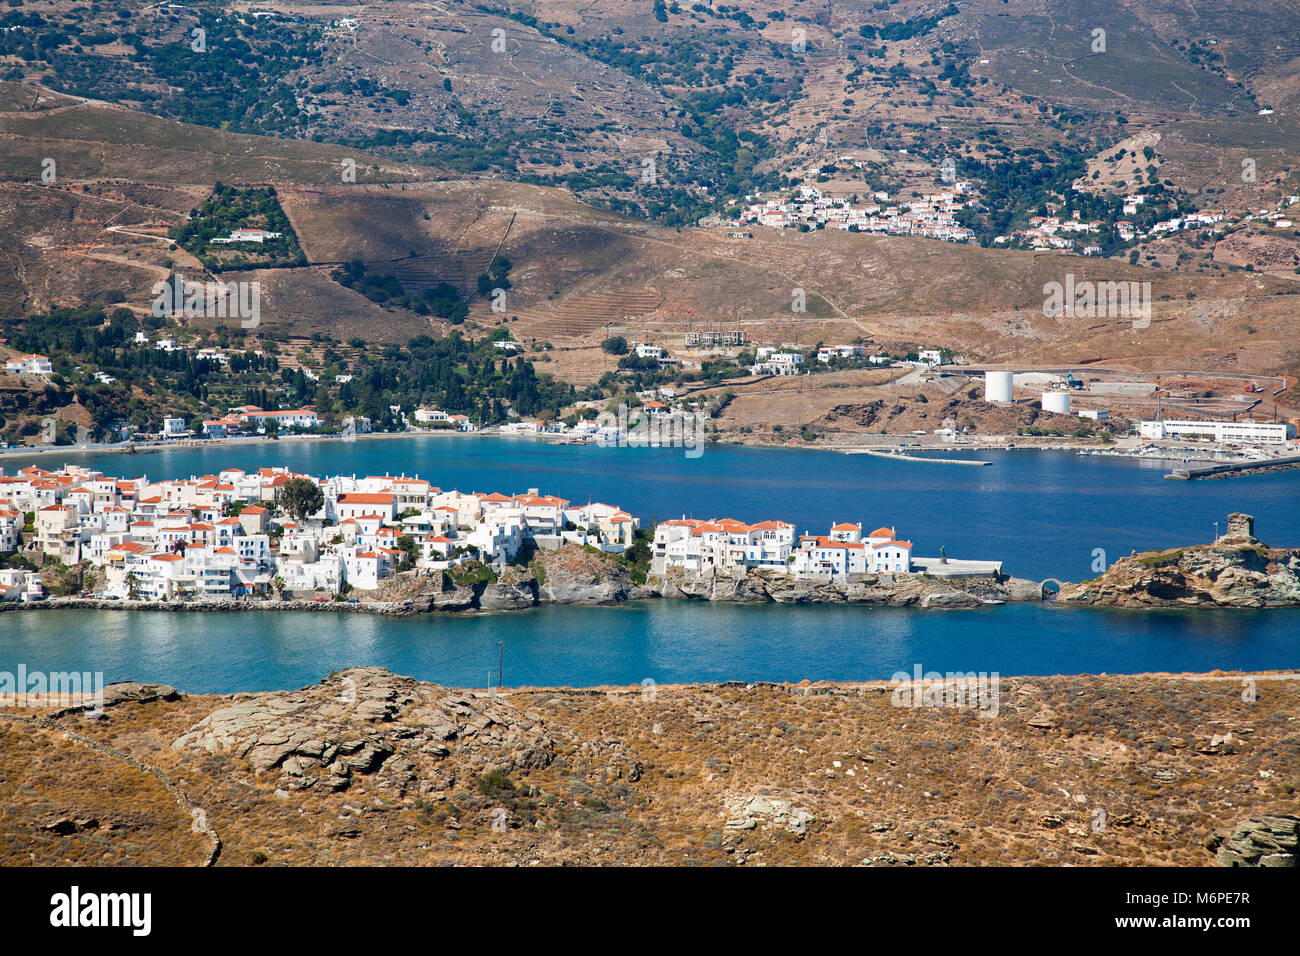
(581, 317)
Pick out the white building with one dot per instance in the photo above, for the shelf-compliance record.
(29, 365)
(248, 235)
(830, 352)
(772, 362)
(17, 585)
(845, 551)
(1266, 433)
(284, 418)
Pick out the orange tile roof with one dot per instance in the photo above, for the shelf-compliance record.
(825, 542)
(542, 500)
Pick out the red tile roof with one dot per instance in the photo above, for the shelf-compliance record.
(364, 499)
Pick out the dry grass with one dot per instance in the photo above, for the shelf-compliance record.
(652, 777)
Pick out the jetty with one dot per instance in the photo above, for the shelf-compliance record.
(1228, 469)
(901, 456)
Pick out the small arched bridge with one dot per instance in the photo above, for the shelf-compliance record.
(1051, 587)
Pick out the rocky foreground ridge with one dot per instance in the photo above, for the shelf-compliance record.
(1237, 570)
(369, 767)
(369, 722)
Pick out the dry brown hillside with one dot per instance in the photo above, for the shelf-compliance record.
(580, 273)
(369, 768)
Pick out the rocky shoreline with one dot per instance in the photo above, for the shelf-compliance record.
(575, 576)
(1236, 571)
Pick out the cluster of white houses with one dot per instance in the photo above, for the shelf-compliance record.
(224, 536)
(251, 419)
(729, 546)
(788, 360)
(931, 215)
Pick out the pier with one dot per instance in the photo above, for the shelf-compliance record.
(1232, 468)
(900, 456)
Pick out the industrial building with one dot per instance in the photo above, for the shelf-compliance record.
(1250, 432)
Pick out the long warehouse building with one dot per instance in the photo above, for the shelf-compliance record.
(1253, 432)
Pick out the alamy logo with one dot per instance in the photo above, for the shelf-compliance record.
(1098, 300)
(641, 429)
(76, 909)
(220, 300)
(52, 689)
(955, 689)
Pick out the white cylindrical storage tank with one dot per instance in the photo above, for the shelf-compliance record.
(1058, 402)
(997, 386)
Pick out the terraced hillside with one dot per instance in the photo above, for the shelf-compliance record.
(580, 317)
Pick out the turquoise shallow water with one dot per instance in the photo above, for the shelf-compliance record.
(664, 641)
(1043, 513)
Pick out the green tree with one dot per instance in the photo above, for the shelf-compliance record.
(407, 544)
(301, 497)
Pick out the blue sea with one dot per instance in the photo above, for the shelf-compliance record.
(1043, 513)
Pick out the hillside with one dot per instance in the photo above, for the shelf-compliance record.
(578, 271)
(369, 768)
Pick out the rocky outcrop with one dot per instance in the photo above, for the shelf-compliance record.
(764, 811)
(368, 722)
(900, 590)
(1237, 570)
(508, 596)
(574, 575)
(1259, 841)
(133, 692)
